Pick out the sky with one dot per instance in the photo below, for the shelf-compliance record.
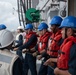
(8, 15)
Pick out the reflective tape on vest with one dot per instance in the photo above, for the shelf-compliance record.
(5, 58)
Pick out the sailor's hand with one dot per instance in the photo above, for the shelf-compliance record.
(39, 57)
(24, 50)
(42, 51)
(34, 54)
(32, 49)
(49, 62)
(15, 49)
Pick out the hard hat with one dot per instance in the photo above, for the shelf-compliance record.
(29, 26)
(42, 26)
(2, 26)
(56, 20)
(20, 27)
(6, 38)
(69, 21)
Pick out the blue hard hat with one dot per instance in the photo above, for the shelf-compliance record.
(29, 26)
(56, 20)
(42, 26)
(2, 26)
(69, 21)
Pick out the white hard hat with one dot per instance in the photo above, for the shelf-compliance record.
(6, 38)
(20, 27)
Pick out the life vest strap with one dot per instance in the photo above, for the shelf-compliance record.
(60, 52)
(53, 51)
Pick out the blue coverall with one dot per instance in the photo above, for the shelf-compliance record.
(72, 60)
(29, 61)
(19, 43)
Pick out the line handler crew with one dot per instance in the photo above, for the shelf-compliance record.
(66, 63)
(30, 42)
(10, 64)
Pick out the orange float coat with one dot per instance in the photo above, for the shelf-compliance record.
(43, 40)
(64, 53)
(53, 46)
(28, 36)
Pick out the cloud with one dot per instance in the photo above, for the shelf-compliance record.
(8, 15)
(13, 2)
